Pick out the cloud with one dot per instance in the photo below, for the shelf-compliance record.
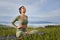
(52, 13)
(52, 16)
(34, 7)
(37, 10)
(7, 8)
(11, 7)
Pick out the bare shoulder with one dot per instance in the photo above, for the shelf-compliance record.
(18, 16)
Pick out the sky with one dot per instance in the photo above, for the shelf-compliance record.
(38, 11)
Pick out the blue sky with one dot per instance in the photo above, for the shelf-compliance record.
(37, 10)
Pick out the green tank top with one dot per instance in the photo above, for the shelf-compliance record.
(20, 21)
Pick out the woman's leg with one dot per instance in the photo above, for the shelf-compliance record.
(32, 32)
(20, 33)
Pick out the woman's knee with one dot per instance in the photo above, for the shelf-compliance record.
(19, 33)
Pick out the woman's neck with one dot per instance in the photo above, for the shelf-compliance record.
(22, 15)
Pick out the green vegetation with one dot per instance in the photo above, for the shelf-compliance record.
(6, 30)
(51, 33)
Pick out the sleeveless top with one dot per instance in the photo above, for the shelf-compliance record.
(20, 21)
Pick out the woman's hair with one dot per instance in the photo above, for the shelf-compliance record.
(23, 8)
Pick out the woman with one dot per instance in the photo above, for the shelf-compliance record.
(22, 22)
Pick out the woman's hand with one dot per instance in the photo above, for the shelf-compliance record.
(22, 26)
(19, 26)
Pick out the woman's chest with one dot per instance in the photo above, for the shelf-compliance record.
(22, 21)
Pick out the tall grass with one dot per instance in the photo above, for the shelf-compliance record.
(51, 33)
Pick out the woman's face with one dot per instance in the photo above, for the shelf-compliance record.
(22, 11)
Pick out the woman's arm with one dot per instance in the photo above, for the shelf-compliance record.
(27, 19)
(13, 22)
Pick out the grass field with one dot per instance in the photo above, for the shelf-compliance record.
(51, 33)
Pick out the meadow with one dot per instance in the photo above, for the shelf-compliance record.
(50, 33)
